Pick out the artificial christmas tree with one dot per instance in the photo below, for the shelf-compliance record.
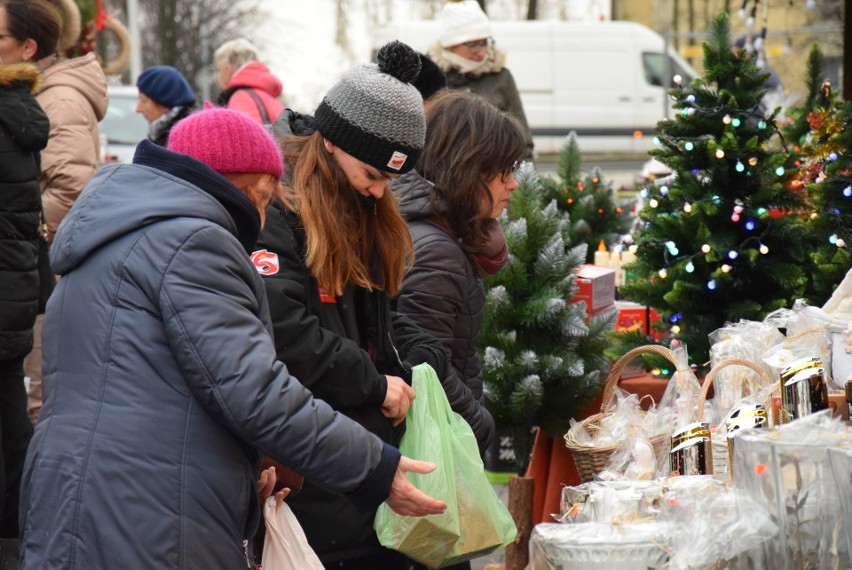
(722, 241)
(542, 361)
(596, 216)
(828, 187)
(820, 129)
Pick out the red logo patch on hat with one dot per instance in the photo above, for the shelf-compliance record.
(265, 262)
(397, 160)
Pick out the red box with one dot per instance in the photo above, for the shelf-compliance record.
(636, 317)
(596, 286)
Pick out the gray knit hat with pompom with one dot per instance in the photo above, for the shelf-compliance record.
(375, 114)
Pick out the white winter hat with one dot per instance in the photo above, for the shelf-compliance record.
(463, 22)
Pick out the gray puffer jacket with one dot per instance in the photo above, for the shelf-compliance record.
(161, 383)
(444, 295)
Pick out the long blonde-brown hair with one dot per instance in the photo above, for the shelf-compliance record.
(347, 243)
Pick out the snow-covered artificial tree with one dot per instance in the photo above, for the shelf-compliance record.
(542, 360)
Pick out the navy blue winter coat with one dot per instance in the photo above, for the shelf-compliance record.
(161, 383)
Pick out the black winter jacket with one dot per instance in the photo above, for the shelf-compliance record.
(340, 348)
(444, 295)
(23, 133)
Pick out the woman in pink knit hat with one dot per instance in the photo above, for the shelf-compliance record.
(161, 381)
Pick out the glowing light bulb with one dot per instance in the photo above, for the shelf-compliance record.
(779, 171)
(749, 225)
(761, 211)
(720, 153)
(690, 98)
(735, 122)
(726, 268)
(735, 218)
(689, 146)
(847, 191)
(726, 119)
(690, 112)
(832, 239)
(663, 273)
(733, 254)
(752, 161)
(763, 249)
(656, 140)
(633, 248)
(814, 216)
(690, 267)
(761, 125)
(656, 371)
(653, 203)
(643, 193)
(832, 157)
(711, 284)
(705, 248)
(738, 209)
(677, 79)
(664, 190)
(840, 243)
(676, 329)
(687, 207)
(740, 166)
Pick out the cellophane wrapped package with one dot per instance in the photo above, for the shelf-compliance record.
(789, 470)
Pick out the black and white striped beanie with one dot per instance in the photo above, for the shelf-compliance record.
(375, 114)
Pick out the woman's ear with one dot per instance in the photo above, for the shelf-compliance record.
(30, 49)
(329, 146)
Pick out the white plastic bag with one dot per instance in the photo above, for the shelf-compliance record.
(285, 546)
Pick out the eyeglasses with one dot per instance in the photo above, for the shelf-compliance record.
(505, 174)
(479, 45)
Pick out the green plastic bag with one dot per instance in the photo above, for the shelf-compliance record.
(476, 522)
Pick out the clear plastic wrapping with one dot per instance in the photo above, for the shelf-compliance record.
(623, 417)
(599, 546)
(714, 527)
(682, 393)
(789, 470)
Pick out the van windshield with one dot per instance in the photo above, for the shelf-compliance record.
(654, 67)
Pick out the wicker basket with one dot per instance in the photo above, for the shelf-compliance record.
(718, 441)
(591, 460)
(708, 381)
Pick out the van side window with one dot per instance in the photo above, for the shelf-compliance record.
(654, 68)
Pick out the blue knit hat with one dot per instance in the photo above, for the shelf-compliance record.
(165, 85)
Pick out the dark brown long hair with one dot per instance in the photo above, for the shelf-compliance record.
(36, 20)
(468, 142)
(347, 243)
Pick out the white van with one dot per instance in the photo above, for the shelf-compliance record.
(606, 80)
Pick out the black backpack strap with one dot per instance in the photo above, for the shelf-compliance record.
(261, 108)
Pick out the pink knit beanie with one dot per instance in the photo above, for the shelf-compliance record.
(226, 141)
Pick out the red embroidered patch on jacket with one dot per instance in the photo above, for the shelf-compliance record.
(265, 262)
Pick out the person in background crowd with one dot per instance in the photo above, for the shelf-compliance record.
(332, 252)
(165, 98)
(465, 51)
(466, 177)
(73, 94)
(465, 397)
(161, 381)
(247, 85)
(23, 133)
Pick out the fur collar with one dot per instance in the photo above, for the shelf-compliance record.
(27, 72)
(495, 63)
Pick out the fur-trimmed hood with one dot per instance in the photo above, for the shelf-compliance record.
(496, 60)
(12, 72)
